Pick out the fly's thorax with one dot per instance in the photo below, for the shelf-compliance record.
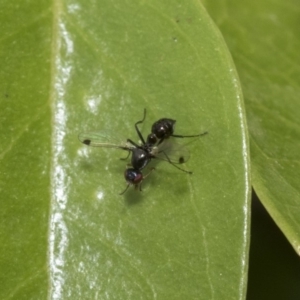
(140, 158)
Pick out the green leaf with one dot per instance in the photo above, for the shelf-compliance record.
(92, 67)
(263, 39)
(25, 149)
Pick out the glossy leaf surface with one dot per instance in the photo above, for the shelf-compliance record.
(97, 65)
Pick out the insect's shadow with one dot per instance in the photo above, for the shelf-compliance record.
(173, 182)
(132, 197)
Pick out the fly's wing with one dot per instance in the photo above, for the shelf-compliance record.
(102, 139)
(170, 150)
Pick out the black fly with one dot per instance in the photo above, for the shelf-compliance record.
(157, 145)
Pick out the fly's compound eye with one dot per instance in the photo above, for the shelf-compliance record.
(133, 176)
